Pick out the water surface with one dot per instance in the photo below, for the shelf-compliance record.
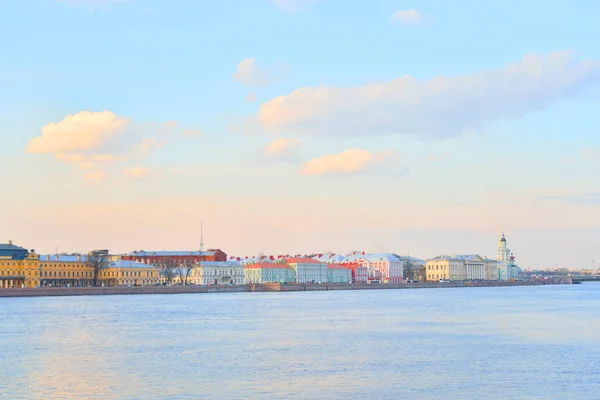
(461, 343)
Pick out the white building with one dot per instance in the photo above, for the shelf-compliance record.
(507, 269)
(308, 270)
(382, 266)
(217, 273)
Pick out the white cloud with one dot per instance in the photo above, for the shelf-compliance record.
(410, 16)
(282, 148)
(434, 108)
(97, 140)
(135, 172)
(292, 5)
(355, 161)
(248, 73)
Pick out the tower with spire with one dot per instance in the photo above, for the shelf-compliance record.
(503, 253)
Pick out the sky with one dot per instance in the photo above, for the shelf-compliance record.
(296, 126)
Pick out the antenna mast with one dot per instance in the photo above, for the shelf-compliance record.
(201, 237)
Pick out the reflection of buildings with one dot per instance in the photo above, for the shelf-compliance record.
(507, 269)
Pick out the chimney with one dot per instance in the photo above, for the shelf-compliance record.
(10, 242)
(78, 257)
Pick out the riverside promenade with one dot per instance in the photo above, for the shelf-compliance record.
(265, 287)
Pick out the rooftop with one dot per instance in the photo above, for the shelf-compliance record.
(268, 266)
(129, 264)
(143, 253)
(302, 260)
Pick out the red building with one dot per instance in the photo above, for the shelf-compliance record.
(178, 257)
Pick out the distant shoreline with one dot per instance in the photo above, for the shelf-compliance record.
(265, 287)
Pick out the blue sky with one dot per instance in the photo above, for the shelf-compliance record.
(306, 125)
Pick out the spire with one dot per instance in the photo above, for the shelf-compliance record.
(201, 237)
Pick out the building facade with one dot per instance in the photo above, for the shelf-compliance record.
(360, 273)
(128, 273)
(338, 273)
(461, 268)
(269, 273)
(217, 273)
(158, 258)
(308, 270)
(507, 269)
(18, 267)
(384, 267)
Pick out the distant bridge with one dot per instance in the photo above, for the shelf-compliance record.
(586, 278)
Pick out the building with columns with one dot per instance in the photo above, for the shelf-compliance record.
(269, 273)
(308, 270)
(461, 268)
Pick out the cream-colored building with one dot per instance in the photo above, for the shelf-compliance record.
(461, 268)
(217, 273)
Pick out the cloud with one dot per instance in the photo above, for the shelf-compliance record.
(282, 148)
(355, 161)
(81, 131)
(292, 5)
(410, 16)
(251, 98)
(135, 172)
(248, 73)
(582, 199)
(94, 176)
(435, 108)
(97, 140)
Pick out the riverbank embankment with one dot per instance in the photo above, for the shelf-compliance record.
(266, 287)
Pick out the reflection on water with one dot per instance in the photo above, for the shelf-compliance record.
(522, 342)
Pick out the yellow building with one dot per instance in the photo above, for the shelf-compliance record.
(21, 268)
(461, 268)
(65, 270)
(18, 267)
(128, 273)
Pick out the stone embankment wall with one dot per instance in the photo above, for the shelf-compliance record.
(266, 287)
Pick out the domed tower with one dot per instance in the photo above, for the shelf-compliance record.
(503, 253)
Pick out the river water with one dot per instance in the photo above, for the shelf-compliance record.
(462, 343)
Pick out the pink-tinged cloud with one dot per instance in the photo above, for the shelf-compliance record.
(435, 108)
(135, 172)
(354, 161)
(249, 73)
(82, 131)
(409, 16)
(97, 140)
(283, 147)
